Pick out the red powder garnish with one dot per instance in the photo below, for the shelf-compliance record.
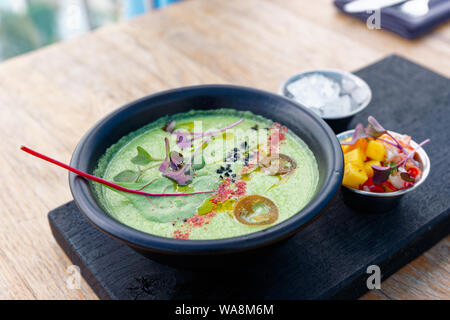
(223, 192)
(178, 234)
(226, 190)
(241, 187)
(185, 229)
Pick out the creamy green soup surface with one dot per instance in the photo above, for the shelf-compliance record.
(254, 174)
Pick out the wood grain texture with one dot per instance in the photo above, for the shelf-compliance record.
(51, 97)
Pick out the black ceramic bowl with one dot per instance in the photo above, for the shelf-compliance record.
(313, 130)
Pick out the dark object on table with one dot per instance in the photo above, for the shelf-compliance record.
(407, 25)
(329, 258)
(301, 121)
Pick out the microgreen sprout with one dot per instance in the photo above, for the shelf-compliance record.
(185, 138)
(103, 181)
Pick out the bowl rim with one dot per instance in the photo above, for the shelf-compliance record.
(424, 159)
(359, 81)
(87, 205)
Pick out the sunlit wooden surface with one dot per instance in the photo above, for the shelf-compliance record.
(51, 97)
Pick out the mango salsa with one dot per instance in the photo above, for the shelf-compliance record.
(356, 157)
(374, 146)
(346, 147)
(359, 144)
(375, 150)
(354, 175)
(368, 167)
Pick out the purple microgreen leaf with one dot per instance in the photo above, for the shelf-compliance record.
(165, 164)
(380, 174)
(374, 128)
(180, 176)
(407, 177)
(183, 141)
(170, 167)
(169, 126)
(359, 133)
(176, 160)
(183, 175)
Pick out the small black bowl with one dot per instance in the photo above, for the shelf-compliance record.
(313, 130)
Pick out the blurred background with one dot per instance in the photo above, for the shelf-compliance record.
(26, 25)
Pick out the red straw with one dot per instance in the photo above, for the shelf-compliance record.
(103, 181)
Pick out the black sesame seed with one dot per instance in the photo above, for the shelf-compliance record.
(221, 177)
(234, 175)
(226, 174)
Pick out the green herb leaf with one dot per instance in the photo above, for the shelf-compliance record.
(167, 209)
(143, 157)
(126, 176)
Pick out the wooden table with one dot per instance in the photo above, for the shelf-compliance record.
(51, 97)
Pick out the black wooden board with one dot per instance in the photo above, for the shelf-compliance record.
(329, 258)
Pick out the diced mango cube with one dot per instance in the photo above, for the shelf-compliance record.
(356, 156)
(368, 167)
(346, 147)
(354, 176)
(361, 144)
(376, 151)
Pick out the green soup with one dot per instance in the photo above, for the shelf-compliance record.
(255, 174)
